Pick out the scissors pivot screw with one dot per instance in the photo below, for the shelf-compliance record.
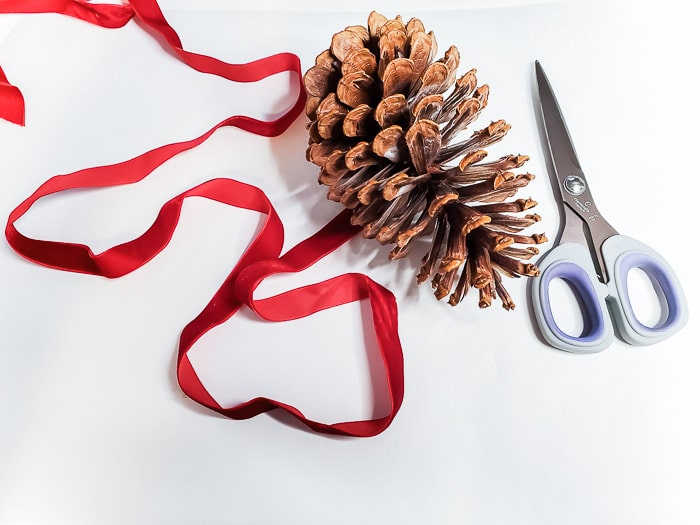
(575, 184)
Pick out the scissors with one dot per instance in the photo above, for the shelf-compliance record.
(595, 260)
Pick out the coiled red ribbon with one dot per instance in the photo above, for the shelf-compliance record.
(261, 259)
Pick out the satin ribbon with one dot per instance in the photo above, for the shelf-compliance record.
(260, 260)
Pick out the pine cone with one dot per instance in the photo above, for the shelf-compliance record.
(383, 134)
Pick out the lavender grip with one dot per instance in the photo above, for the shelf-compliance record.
(572, 263)
(624, 254)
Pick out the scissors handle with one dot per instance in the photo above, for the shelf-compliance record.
(572, 263)
(624, 254)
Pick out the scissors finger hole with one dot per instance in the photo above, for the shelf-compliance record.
(567, 306)
(646, 299)
(580, 305)
(665, 289)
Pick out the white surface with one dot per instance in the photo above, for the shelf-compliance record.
(496, 427)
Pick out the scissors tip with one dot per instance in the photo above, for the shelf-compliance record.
(539, 71)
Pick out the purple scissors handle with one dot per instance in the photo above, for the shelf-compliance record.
(571, 262)
(605, 308)
(628, 254)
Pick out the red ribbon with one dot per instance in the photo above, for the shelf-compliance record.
(261, 259)
(11, 101)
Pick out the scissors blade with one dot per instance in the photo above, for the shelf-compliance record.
(572, 185)
(561, 146)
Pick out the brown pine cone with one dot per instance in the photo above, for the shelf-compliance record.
(385, 135)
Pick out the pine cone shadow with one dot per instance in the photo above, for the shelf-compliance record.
(402, 280)
(298, 177)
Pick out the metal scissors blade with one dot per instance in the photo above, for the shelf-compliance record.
(560, 144)
(583, 223)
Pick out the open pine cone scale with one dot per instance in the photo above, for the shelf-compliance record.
(385, 133)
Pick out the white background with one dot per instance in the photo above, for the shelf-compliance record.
(496, 427)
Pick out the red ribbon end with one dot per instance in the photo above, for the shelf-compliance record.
(11, 101)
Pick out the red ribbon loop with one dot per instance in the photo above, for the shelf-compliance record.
(104, 15)
(238, 290)
(148, 11)
(262, 257)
